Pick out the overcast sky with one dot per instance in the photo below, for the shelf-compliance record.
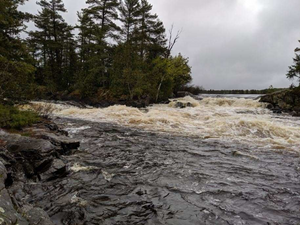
(231, 44)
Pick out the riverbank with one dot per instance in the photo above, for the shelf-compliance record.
(287, 101)
(32, 155)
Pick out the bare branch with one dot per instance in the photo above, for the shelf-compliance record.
(172, 41)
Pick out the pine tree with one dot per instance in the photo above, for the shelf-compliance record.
(50, 40)
(151, 32)
(104, 13)
(16, 74)
(129, 16)
(97, 29)
(294, 70)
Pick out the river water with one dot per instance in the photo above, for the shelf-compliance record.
(221, 161)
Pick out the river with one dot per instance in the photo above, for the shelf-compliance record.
(224, 160)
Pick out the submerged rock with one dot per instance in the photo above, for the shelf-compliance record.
(184, 102)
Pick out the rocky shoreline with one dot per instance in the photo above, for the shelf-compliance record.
(287, 101)
(35, 154)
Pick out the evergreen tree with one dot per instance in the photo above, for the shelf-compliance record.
(151, 32)
(129, 16)
(294, 70)
(105, 14)
(16, 74)
(144, 41)
(97, 29)
(50, 42)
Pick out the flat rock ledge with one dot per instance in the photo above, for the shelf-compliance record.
(29, 159)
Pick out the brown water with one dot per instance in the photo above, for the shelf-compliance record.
(222, 161)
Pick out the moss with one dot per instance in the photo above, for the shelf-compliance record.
(10, 117)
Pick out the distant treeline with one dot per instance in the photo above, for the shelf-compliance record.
(196, 90)
(264, 91)
(121, 51)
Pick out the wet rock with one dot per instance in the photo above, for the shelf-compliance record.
(2, 175)
(43, 166)
(36, 216)
(183, 105)
(8, 213)
(25, 154)
(27, 145)
(28, 170)
(270, 106)
(57, 169)
(180, 105)
(36, 158)
(64, 142)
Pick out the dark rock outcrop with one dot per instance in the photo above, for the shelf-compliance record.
(23, 159)
(283, 101)
(11, 212)
(67, 144)
(35, 157)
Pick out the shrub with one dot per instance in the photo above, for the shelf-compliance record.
(10, 117)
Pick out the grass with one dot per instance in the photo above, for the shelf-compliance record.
(12, 118)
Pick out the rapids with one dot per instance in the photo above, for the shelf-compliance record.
(222, 161)
(230, 120)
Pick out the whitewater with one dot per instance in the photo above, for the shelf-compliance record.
(229, 120)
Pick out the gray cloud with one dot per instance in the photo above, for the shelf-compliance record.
(232, 44)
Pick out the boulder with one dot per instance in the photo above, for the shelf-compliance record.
(283, 101)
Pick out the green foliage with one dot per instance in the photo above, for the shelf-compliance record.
(180, 71)
(120, 49)
(53, 47)
(294, 70)
(16, 74)
(10, 117)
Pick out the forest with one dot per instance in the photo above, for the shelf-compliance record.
(116, 50)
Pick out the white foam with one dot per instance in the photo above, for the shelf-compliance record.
(235, 120)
